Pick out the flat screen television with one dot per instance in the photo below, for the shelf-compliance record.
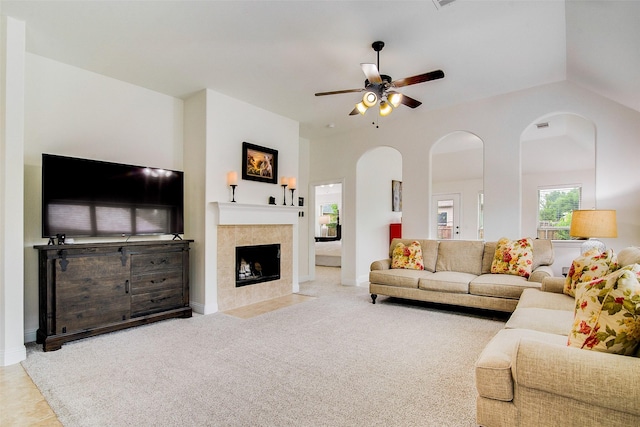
(90, 198)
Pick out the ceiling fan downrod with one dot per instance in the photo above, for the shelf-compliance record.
(377, 46)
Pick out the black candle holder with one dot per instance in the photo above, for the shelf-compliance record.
(233, 192)
(284, 194)
(292, 190)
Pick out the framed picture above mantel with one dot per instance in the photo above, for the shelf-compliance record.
(259, 163)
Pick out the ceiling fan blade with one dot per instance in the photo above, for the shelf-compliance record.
(354, 112)
(421, 78)
(372, 73)
(337, 92)
(410, 102)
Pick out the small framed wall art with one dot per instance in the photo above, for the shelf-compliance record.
(259, 163)
(396, 196)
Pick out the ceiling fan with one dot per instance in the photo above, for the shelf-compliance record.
(381, 88)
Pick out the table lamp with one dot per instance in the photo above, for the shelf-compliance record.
(593, 223)
(324, 220)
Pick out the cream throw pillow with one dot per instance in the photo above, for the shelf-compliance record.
(591, 265)
(607, 315)
(407, 256)
(513, 257)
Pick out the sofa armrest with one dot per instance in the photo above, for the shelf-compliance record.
(553, 284)
(596, 378)
(383, 264)
(540, 273)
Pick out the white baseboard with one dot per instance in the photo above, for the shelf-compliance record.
(30, 335)
(13, 355)
(203, 309)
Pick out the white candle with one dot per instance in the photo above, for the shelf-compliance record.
(283, 180)
(292, 183)
(232, 178)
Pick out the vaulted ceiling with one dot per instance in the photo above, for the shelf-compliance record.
(277, 54)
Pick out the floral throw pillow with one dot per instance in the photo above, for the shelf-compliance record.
(591, 265)
(513, 257)
(409, 257)
(607, 316)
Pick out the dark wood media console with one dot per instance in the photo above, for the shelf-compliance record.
(91, 289)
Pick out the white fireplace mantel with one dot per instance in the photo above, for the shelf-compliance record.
(229, 213)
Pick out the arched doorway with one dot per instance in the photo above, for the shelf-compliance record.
(457, 185)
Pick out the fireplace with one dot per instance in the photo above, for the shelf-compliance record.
(242, 225)
(257, 264)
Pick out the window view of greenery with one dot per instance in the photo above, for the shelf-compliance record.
(332, 211)
(555, 207)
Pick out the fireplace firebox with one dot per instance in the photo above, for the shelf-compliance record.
(257, 264)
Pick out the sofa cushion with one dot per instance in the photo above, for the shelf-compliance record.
(398, 277)
(487, 257)
(541, 319)
(551, 300)
(628, 256)
(407, 256)
(447, 281)
(500, 285)
(542, 252)
(494, 379)
(607, 316)
(591, 265)
(513, 257)
(464, 256)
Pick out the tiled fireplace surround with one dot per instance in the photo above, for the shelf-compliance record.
(243, 225)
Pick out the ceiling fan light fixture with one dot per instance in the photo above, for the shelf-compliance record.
(385, 108)
(395, 99)
(361, 107)
(369, 99)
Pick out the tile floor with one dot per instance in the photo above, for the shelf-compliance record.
(22, 404)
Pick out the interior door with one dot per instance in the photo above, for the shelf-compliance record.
(446, 216)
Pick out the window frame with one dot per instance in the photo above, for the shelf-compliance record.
(543, 232)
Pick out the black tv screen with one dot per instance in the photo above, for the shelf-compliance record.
(90, 198)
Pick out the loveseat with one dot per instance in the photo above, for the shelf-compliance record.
(528, 375)
(458, 272)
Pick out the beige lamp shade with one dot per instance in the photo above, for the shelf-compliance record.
(593, 223)
(324, 219)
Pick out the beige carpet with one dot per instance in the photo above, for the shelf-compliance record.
(333, 360)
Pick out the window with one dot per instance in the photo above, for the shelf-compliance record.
(555, 207)
(332, 211)
(481, 215)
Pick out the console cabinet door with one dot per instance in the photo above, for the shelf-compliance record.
(91, 291)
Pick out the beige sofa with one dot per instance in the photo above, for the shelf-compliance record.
(458, 272)
(528, 376)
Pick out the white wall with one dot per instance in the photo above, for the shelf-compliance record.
(12, 75)
(374, 172)
(499, 122)
(73, 112)
(215, 128)
(305, 221)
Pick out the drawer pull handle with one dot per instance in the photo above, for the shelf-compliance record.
(126, 286)
(158, 281)
(162, 261)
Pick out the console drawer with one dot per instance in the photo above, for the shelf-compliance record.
(156, 281)
(151, 302)
(141, 263)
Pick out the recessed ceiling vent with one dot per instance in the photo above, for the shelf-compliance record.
(442, 3)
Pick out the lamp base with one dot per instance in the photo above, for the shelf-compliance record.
(590, 244)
